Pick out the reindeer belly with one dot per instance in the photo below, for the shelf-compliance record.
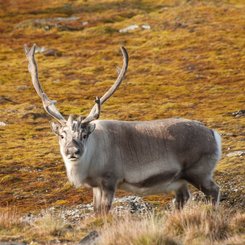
(156, 189)
(166, 181)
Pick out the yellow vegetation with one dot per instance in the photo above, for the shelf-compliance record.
(189, 64)
(196, 224)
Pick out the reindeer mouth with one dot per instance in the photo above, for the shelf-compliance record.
(73, 158)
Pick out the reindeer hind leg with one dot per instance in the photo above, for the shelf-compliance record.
(200, 176)
(182, 195)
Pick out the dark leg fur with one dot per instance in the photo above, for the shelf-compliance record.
(207, 186)
(200, 176)
(103, 196)
(181, 196)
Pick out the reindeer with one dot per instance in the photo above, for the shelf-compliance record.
(143, 157)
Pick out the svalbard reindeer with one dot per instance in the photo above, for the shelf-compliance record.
(143, 157)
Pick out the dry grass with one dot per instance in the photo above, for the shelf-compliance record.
(190, 64)
(199, 221)
(196, 224)
(134, 231)
(49, 224)
(11, 225)
(9, 217)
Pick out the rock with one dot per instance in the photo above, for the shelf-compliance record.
(74, 215)
(39, 49)
(85, 23)
(132, 204)
(2, 124)
(134, 27)
(48, 52)
(240, 113)
(229, 134)
(129, 28)
(52, 52)
(236, 154)
(90, 239)
(146, 27)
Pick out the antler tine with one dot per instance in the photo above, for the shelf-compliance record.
(96, 113)
(49, 105)
(114, 87)
(120, 77)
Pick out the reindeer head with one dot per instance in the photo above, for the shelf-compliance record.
(73, 133)
(73, 137)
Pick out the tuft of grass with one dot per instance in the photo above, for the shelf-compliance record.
(128, 230)
(8, 179)
(189, 64)
(195, 224)
(9, 218)
(237, 223)
(199, 221)
(50, 224)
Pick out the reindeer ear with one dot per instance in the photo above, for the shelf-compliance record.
(55, 127)
(90, 128)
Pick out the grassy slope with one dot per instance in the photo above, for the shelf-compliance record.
(190, 64)
(196, 224)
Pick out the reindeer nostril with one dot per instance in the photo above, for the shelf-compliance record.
(77, 152)
(73, 151)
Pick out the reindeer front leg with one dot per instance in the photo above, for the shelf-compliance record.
(102, 200)
(103, 196)
(97, 193)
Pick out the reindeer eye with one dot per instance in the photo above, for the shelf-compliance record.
(83, 136)
(62, 136)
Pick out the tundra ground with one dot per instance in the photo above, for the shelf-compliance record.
(186, 60)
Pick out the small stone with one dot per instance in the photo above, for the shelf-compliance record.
(52, 52)
(40, 49)
(48, 52)
(90, 238)
(240, 113)
(236, 154)
(129, 28)
(146, 27)
(2, 124)
(230, 134)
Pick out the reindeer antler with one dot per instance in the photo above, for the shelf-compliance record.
(49, 105)
(94, 113)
